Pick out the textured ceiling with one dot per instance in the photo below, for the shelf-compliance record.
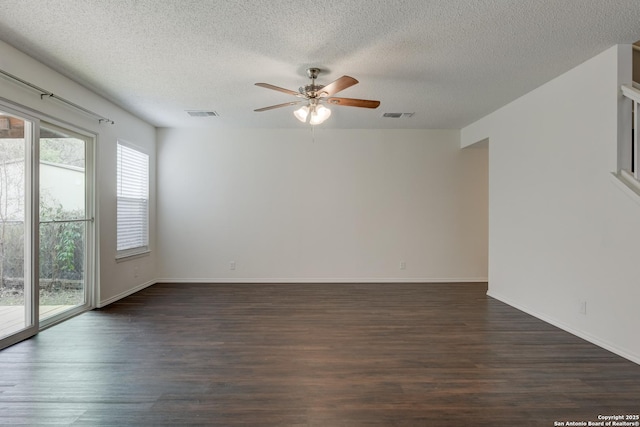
(449, 62)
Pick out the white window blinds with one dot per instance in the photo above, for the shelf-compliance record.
(133, 201)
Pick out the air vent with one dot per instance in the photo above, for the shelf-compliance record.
(397, 115)
(200, 113)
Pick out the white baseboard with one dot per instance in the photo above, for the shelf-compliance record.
(577, 332)
(124, 294)
(325, 280)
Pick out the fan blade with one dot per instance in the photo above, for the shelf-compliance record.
(286, 104)
(352, 102)
(280, 89)
(337, 85)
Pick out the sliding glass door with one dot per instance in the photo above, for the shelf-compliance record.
(66, 222)
(46, 224)
(18, 298)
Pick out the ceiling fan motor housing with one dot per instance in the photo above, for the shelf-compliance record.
(311, 91)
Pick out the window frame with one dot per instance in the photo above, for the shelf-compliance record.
(143, 249)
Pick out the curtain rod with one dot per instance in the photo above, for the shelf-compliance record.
(45, 93)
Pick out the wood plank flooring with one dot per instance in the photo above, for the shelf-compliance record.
(311, 355)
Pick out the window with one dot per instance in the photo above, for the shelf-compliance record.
(628, 140)
(133, 201)
(629, 161)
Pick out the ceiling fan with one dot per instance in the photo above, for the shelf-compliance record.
(314, 96)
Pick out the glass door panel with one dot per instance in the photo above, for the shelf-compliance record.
(16, 296)
(64, 221)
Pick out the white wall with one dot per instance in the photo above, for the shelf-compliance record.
(561, 231)
(115, 279)
(350, 206)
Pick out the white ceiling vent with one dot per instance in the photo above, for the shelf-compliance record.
(202, 113)
(397, 115)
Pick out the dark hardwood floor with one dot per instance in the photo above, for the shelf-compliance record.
(311, 355)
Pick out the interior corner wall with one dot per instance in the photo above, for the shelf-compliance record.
(115, 279)
(563, 236)
(350, 207)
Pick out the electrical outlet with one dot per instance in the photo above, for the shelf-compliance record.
(403, 265)
(583, 307)
(232, 265)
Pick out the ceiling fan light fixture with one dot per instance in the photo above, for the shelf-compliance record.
(319, 114)
(302, 113)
